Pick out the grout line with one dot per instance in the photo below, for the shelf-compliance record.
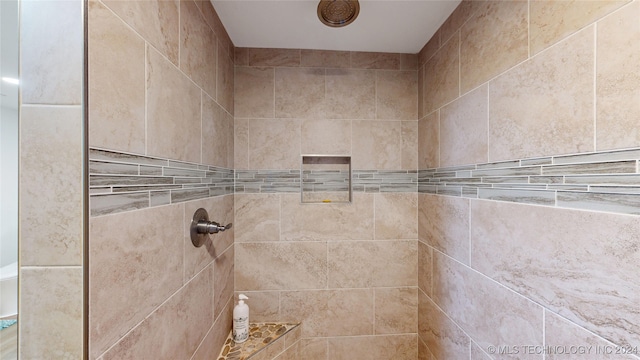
(595, 86)
(544, 333)
(146, 99)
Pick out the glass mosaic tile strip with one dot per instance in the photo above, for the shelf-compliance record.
(604, 181)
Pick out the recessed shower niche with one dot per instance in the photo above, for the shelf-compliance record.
(326, 179)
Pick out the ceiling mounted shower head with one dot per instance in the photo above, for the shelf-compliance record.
(338, 13)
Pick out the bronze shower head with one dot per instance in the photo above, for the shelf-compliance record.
(338, 13)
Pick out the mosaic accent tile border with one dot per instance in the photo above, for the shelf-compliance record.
(288, 181)
(122, 182)
(602, 181)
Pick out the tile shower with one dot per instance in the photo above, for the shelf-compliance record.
(471, 210)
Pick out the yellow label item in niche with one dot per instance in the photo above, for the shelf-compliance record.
(326, 201)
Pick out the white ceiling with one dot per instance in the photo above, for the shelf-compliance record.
(398, 26)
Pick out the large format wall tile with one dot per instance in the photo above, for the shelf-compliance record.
(217, 124)
(281, 265)
(409, 134)
(175, 329)
(350, 94)
(327, 221)
(376, 145)
(464, 128)
(155, 20)
(329, 312)
(443, 223)
(396, 216)
(425, 267)
(257, 217)
(581, 266)
(52, 59)
(51, 312)
(325, 137)
(300, 93)
(442, 336)
(274, 144)
(130, 266)
(494, 39)
(545, 105)
(198, 47)
(254, 94)
(618, 79)
(325, 58)
(401, 347)
(551, 21)
(396, 95)
(429, 141)
(225, 79)
(480, 306)
(442, 76)
(361, 264)
(395, 310)
(51, 209)
(173, 111)
(117, 83)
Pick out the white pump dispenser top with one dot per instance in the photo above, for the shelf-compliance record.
(242, 298)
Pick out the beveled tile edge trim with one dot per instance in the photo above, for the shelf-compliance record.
(121, 181)
(607, 181)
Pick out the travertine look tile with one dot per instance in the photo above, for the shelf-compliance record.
(358, 264)
(396, 95)
(442, 336)
(429, 141)
(117, 83)
(264, 305)
(442, 76)
(552, 21)
(443, 223)
(173, 111)
(350, 94)
(51, 313)
(395, 310)
(327, 221)
(225, 78)
(464, 128)
(409, 145)
(568, 341)
(618, 79)
(281, 265)
(299, 92)
(429, 49)
(376, 145)
(396, 215)
(375, 60)
(198, 48)
(274, 144)
(313, 348)
(257, 217)
(423, 350)
(477, 353)
(494, 39)
(217, 335)
(325, 58)
(156, 20)
(220, 209)
(241, 144)
(241, 56)
(425, 267)
(274, 57)
(421, 90)
(223, 280)
(326, 136)
(212, 18)
(131, 267)
(480, 306)
(50, 185)
(458, 17)
(329, 312)
(217, 127)
(254, 92)
(579, 264)
(408, 62)
(400, 347)
(545, 105)
(52, 55)
(188, 312)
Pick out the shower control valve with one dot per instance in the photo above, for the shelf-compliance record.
(201, 227)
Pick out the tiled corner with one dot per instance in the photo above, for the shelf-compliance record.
(429, 141)
(444, 339)
(444, 225)
(198, 57)
(217, 123)
(442, 76)
(396, 215)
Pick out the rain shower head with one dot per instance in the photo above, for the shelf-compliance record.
(338, 13)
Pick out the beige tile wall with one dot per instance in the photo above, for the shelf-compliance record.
(160, 84)
(535, 78)
(347, 271)
(51, 221)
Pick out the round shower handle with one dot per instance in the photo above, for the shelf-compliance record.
(201, 227)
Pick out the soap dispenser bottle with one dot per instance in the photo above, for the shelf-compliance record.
(241, 320)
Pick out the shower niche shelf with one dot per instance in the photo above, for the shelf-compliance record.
(325, 179)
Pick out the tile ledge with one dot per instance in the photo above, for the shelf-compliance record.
(261, 335)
